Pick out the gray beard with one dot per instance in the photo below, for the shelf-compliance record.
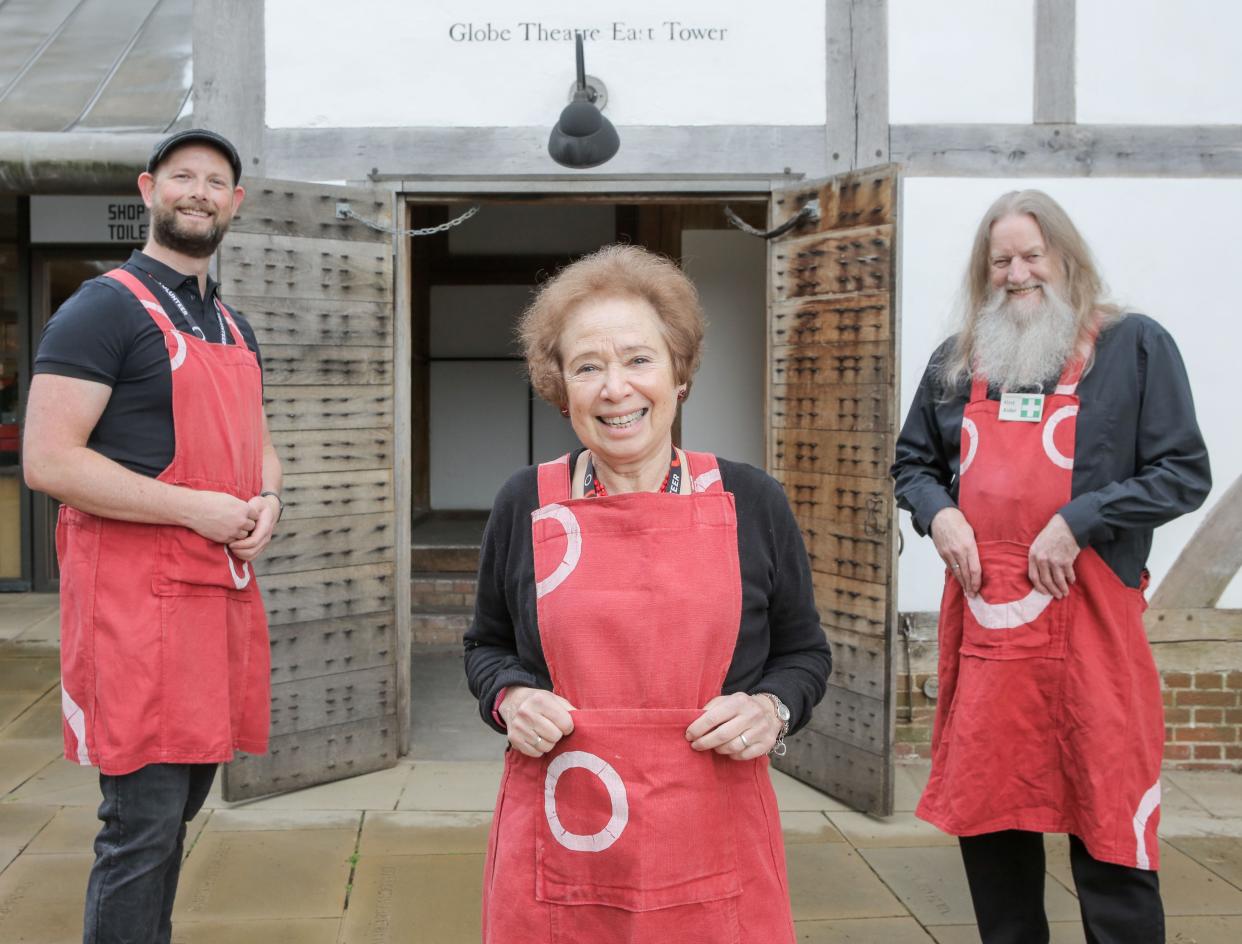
(1017, 349)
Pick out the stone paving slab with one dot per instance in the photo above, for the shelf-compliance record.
(60, 783)
(831, 880)
(1203, 930)
(931, 883)
(900, 829)
(446, 785)
(398, 899)
(1061, 932)
(246, 820)
(291, 873)
(861, 931)
(808, 826)
(21, 761)
(20, 823)
(1222, 856)
(374, 791)
(908, 783)
(259, 931)
(795, 796)
(1186, 886)
(40, 721)
(41, 899)
(418, 832)
(1219, 793)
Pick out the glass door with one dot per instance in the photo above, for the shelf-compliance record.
(12, 350)
(55, 275)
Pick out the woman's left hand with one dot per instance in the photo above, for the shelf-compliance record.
(740, 726)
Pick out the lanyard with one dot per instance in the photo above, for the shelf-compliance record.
(592, 487)
(185, 313)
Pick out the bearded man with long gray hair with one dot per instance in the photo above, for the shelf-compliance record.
(1046, 441)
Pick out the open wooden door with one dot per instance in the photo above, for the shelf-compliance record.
(319, 292)
(832, 403)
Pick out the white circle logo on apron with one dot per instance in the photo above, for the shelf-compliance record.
(612, 782)
(1008, 615)
(239, 580)
(1050, 429)
(573, 547)
(968, 426)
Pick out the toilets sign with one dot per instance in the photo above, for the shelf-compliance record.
(66, 219)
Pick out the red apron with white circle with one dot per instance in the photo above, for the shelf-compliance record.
(164, 646)
(622, 832)
(1049, 716)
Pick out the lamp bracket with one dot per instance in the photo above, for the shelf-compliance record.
(597, 91)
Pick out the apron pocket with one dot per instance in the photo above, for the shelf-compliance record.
(633, 818)
(190, 564)
(1009, 618)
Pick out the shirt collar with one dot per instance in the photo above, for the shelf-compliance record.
(167, 274)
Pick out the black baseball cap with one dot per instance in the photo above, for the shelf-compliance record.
(196, 136)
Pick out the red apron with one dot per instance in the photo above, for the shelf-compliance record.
(1050, 716)
(623, 833)
(164, 649)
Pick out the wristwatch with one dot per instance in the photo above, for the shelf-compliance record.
(279, 501)
(783, 716)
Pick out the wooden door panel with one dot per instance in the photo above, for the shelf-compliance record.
(832, 348)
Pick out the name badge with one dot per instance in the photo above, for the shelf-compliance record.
(1022, 407)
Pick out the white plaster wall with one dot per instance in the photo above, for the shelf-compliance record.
(724, 413)
(965, 61)
(1167, 249)
(1158, 62)
(393, 63)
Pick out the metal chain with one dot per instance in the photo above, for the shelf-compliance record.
(345, 211)
(808, 212)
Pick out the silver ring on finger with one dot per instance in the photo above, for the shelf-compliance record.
(745, 743)
(957, 566)
(537, 742)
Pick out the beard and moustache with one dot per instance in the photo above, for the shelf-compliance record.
(1019, 346)
(167, 230)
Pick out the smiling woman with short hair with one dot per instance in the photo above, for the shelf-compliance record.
(645, 635)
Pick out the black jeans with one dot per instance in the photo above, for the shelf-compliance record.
(129, 898)
(1119, 905)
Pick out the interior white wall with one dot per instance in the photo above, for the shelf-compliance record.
(1156, 62)
(392, 63)
(965, 61)
(1166, 247)
(724, 413)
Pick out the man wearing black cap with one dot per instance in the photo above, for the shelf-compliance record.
(145, 419)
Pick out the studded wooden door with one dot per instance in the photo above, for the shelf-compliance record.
(832, 352)
(319, 292)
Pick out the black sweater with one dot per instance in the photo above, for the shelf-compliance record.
(781, 647)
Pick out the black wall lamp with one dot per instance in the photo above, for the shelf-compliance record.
(583, 137)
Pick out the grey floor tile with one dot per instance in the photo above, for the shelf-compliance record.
(908, 783)
(466, 786)
(1062, 932)
(420, 832)
(808, 826)
(831, 880)
(793, 795)
(900, 829)
(1220, 793)
(861, 931)
(258, 931)
(439, 895)
(41, 898)
(1221, 855)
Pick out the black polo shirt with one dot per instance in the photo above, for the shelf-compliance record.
(102, 333)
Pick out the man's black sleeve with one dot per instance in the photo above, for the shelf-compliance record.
(923, 470)
(89, 336)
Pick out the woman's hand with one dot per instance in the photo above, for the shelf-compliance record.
(535, 719)
(740, 726)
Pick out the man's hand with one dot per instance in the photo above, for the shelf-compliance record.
(1051, 561)
(220, 517)
(740, 726)
(955, 543)
(535, 719)
(267, 510)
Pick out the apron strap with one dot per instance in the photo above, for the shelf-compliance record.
(144, 296)
(704, 472)
(233, 329)
(554, 481)
(1068, 384)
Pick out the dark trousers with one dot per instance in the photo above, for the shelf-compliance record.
(1120, 905)
(129, 898)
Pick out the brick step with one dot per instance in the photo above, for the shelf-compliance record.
(439, 626)
(443, 589)
(445, 558)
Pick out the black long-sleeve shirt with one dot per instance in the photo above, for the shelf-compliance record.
(780, 648)
(1139, 458)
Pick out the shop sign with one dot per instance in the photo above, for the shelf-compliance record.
(75, 219)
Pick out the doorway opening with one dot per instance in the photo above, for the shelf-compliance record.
(475, 420)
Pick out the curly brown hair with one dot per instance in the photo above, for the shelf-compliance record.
(612, 272)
